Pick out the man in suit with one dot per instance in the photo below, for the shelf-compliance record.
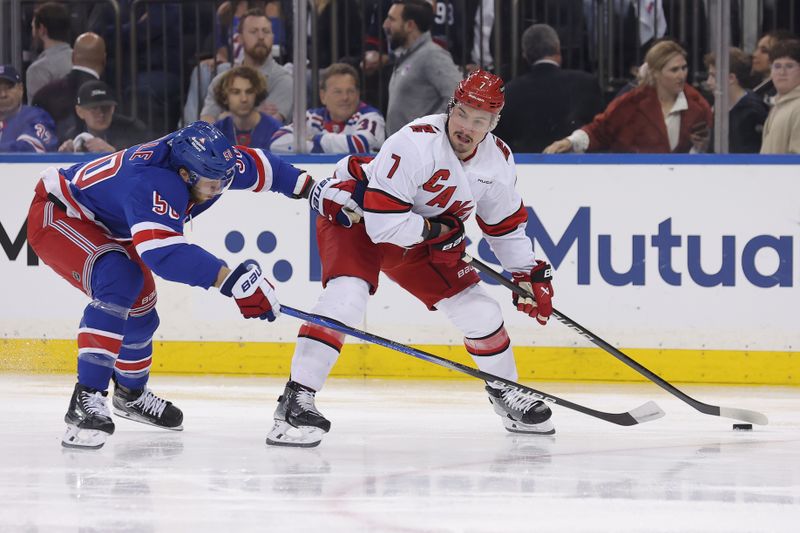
(549, 102)
(58, 97)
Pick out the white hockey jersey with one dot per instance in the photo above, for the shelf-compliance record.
(363, 132)
(417, 175)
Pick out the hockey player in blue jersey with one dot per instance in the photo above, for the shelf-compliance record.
(105, 226)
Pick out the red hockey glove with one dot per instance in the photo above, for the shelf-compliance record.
(333, 199)
(445, 239)
(538, 284)
(253, 293)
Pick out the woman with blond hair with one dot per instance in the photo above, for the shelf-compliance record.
(663, 115)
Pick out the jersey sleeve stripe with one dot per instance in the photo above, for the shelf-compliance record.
(377, 201)
(364, 143)
(357, 145)
(155, 243)
(263, 169)
(507, 225)
(354, 166)
(144, 226)
(33, 141)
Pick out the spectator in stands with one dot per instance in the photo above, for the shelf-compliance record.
(782, 129)
(762, 65)
(424, 74)
(229, 51)
(344, 124)
(229, 39)
(22, 128)
(100, 129)
(239, 92)
(663, 115)
(747, 111)
(50, 32)
(257, 38)
(58, 97)
(548, 102)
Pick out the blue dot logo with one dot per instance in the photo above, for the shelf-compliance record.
(234, 242)
(266, 242)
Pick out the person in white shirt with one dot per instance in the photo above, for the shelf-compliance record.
(427, 178)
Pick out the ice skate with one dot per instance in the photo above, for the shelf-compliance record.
(88, 419)
(297, 421)
(520, 412)
(143, 406)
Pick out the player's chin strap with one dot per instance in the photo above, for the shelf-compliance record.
(713, 410)
(644, 413)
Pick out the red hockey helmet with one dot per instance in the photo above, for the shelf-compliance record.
(481, 90)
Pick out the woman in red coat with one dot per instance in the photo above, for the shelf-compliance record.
(662, 115)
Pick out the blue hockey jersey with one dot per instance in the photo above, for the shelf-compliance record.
(259, 137)
(31, 129)
(134, 195)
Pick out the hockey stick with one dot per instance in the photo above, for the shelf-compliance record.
(644, 413)
(713, 410)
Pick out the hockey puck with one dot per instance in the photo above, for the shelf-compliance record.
(743, 427)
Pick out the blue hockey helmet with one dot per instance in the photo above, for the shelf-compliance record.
(205, 153)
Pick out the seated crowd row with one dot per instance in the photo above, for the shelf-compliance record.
(548, 109)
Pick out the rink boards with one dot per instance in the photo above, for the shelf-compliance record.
(689, 264)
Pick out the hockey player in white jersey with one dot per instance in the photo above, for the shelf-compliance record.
(426, 180)
(343, 125)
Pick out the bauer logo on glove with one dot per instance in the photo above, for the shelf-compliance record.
(333, 199)
(446, 239)
(254, 294)
(538, 284)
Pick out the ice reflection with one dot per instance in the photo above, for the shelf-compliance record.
(398, 462)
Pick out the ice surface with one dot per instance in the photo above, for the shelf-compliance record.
(401, 457)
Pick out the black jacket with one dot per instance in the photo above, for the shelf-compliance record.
(123, 132)
(547, 104)
(746, 123)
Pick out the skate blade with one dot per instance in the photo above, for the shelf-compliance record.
(83, 439)
(136, 418)
(284, 434)
(543, 428)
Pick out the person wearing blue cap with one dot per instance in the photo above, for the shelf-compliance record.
(22, 128)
